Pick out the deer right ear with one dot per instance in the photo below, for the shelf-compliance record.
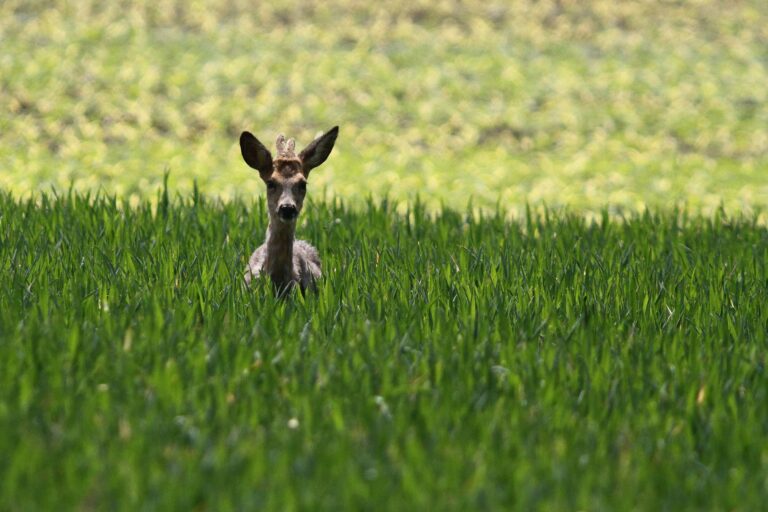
(255, 154)
(318, 150)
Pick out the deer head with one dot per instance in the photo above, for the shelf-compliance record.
(286, 175)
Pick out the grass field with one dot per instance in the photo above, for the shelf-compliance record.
(583, 104)
(544, 230)
(447, 363)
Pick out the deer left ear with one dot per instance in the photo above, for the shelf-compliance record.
(255, 154)
(318, 150)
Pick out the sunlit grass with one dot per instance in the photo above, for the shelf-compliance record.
(571, 316)
(448, 362)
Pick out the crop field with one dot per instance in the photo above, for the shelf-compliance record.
(544, 235)
(447, 362)
(578, 104)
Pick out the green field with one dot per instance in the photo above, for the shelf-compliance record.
(544, 233)
(447, 363)
(579, 104)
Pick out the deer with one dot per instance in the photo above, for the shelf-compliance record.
(284, 259)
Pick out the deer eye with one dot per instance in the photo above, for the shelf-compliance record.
(302, 186)
(271, 185)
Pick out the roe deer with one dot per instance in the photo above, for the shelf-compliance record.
(285, 260)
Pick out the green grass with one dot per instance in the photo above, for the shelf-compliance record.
(588, 356)
(580, 104)
(448, 361)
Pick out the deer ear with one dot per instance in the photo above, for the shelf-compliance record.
(318, 150)
(255, 154)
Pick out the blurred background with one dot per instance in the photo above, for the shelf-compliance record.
(565, 103)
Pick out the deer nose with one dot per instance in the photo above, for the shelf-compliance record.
(287, 211)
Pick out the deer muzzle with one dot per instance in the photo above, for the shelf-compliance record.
(287, 212)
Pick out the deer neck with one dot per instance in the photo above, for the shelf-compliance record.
(279, 261)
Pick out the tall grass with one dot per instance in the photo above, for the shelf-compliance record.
(447, 362)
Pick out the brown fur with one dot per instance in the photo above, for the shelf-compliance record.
(285, 260)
